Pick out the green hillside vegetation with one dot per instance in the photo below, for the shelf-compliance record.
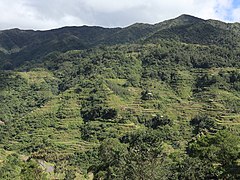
(143, 102)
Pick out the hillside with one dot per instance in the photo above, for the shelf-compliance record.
(18, 46)
(143, 102)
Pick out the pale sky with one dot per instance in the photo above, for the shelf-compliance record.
(49, 14)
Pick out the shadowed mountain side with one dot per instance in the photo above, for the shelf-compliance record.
(18, 46)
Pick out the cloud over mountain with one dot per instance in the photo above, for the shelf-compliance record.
(46, 14)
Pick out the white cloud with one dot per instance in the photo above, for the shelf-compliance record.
(110, 6)
(46, 14)
(236, 15)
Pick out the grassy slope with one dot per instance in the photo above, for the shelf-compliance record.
(57, 122)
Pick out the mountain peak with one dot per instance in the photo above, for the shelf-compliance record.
(183, 19)
(188, 18)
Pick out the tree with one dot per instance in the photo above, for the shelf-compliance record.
(190, 168)
(203, 123)
(31, 170)
(157, 121)
(14, 168)
(145, 155)
(112, 154)
(221, 149)
(70, 174)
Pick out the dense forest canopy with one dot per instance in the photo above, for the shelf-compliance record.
(143, 102)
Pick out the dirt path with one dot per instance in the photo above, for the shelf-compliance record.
(48, 168)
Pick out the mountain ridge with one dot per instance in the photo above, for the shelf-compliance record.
(182, 16)
(17, 46)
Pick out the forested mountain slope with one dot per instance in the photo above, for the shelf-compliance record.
(143, 102)
(18, 46)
